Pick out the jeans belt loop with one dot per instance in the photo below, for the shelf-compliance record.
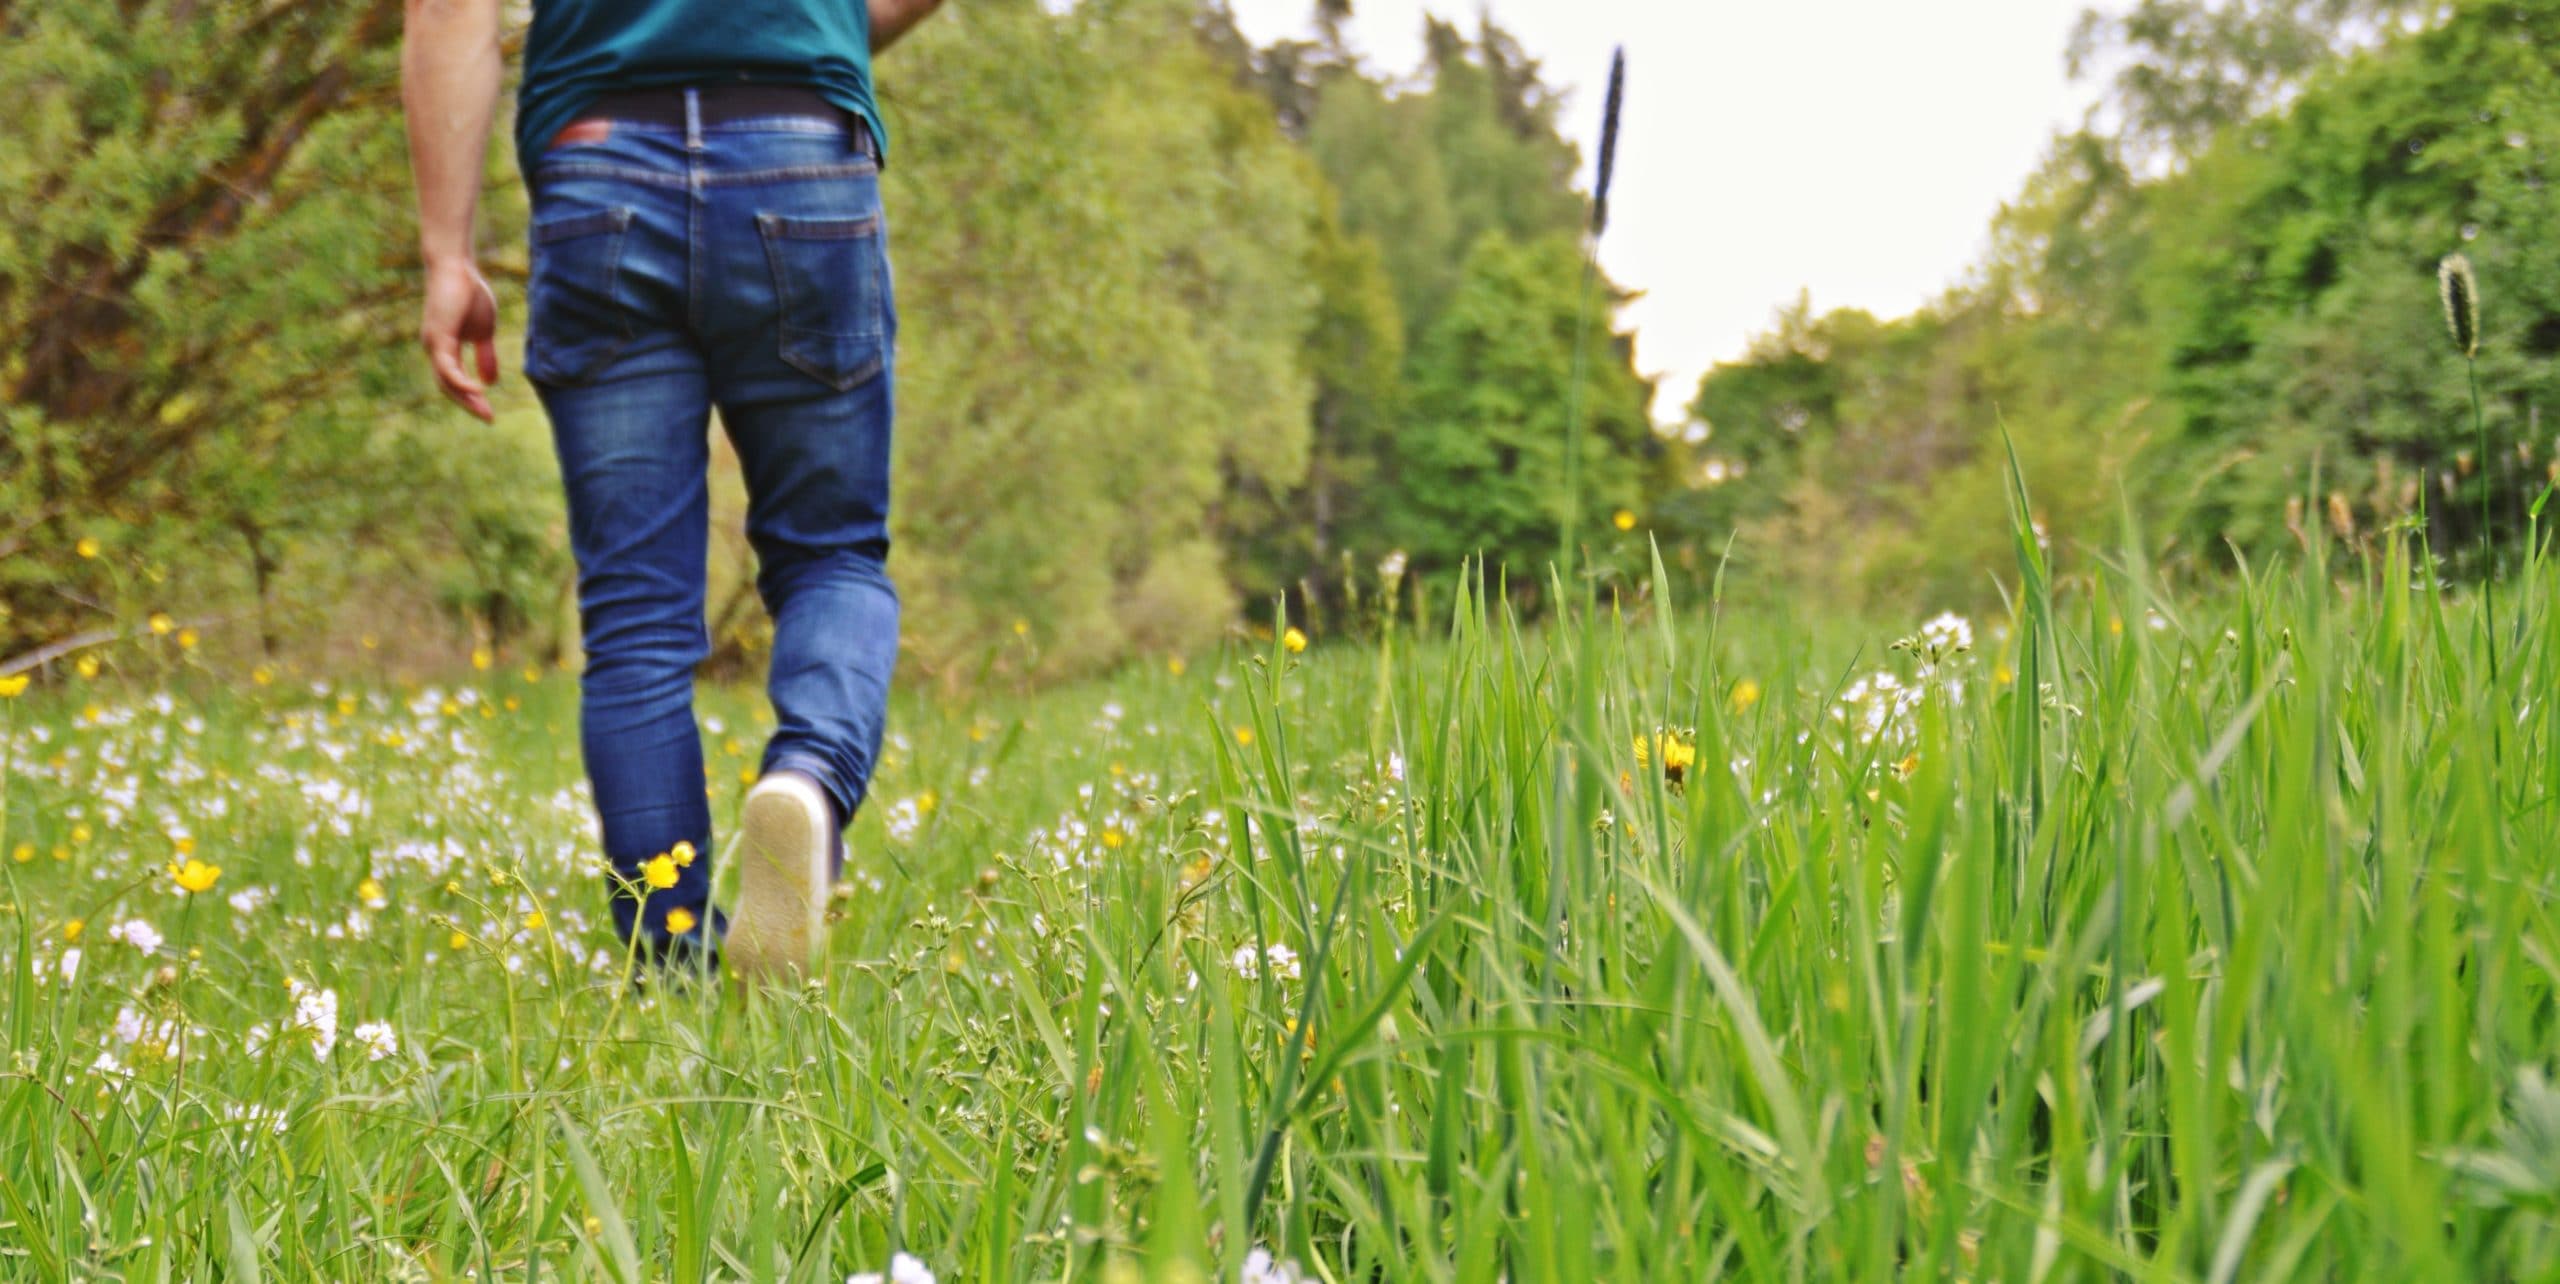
(693, 120)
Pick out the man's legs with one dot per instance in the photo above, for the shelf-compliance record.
(633, 453)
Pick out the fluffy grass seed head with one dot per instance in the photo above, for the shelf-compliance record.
(2461, 291)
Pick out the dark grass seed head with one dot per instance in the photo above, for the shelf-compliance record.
(2461, 291)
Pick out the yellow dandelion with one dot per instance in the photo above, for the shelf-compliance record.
(1293, 641)
(1623, 519)
(195, 875)
(13, 686)
(682, 854)
(71, 930)
(1746, 693)
(680, 920)
(86, 666)
(87, 548)
(659, 872)
(161, 624)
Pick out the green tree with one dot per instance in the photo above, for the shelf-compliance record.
(204, 298)
(1479, 467)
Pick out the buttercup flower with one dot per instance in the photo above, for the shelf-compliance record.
(195, 875)
(660, 872)
(680, 920)
(13, 686)
(1293, 641)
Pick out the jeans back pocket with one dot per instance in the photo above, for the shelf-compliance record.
(576, 320)
(826, 280)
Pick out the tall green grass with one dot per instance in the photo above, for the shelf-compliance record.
(2158, 937)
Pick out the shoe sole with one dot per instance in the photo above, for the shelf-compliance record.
(781, 912)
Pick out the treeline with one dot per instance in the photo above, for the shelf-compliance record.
(1190, 326)
(2213, 311)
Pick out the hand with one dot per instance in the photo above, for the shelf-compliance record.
(461, 312)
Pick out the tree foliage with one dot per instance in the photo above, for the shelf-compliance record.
(2238, 350)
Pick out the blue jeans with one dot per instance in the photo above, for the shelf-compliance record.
(741, 266)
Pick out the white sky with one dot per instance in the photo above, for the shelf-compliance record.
(1853, 148)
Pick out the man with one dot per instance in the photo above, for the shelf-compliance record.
(706, 233)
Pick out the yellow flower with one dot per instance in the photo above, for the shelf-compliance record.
(532, 674)
(533, 920)
(482, 658)
(1112, 838)
(71, 930)
(187, 639)
(1244, 735)
(1022, 628)
(13, 686)
(262, 675)
(195, 875)
(1903, 770)
(680, 920)
(1175, 666)
(24, 853)
(87, 547)
(1623, 519)
(1293, 641)
(682, 854)
(80, 835)
(926, 802)
(1746, 693)
(369, 642)
(185, 843)
(456, 941)
(86, 666)
(659, 872)
(161, 624)
(368, 890)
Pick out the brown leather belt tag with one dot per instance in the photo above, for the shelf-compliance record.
(592, 130)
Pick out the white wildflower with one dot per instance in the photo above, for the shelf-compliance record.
(316, 1010)
(904, 1268)
(139, 934)
(379, 1040)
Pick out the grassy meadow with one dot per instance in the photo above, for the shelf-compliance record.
(2119, 936)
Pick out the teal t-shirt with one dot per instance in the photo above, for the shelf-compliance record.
(580, 48)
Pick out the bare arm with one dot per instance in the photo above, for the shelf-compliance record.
(450, 71)
(891, 19)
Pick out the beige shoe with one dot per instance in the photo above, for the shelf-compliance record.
(785, 851)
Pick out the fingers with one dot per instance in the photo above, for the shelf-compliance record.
(488, 360)
(445, 356)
